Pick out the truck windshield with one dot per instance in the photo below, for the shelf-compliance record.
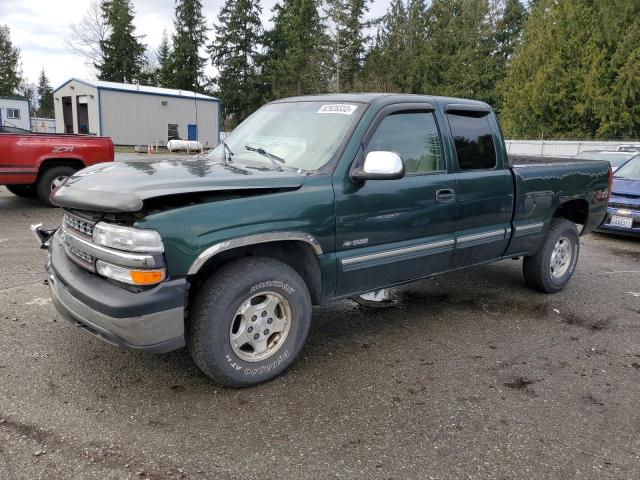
(301, 135)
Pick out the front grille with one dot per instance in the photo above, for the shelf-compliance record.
(79, 224)
(81, 258)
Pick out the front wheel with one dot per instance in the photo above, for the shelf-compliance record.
(550, 269)
(249, 321)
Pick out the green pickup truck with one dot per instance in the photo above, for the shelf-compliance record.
(311, 199)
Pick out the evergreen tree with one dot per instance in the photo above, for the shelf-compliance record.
(163, 57)
(185, 66)
(45, 97)
(10, 71)
(347, 40)
(235, 53)
(384, 67)
(123, 52)
(576, 74)
(297, 60)
(509, 30)
(459, 54)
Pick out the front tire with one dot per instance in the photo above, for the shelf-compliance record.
(51, 179)
(549, 270)
(249, 321)
(24, 191)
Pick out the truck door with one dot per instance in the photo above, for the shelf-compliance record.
(390, 231)
(484, 186)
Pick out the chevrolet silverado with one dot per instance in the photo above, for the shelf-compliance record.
(309, 200)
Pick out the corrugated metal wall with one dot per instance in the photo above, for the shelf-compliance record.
(142, 119)
(557, 147)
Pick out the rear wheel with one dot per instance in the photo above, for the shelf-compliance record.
(51, 179)
(550, 269)
(249, 321)
(25, 191)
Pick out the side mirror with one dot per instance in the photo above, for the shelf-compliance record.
(380, 165)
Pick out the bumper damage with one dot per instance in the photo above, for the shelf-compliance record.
(151, 320)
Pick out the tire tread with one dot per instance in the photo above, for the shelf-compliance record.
(534, 266)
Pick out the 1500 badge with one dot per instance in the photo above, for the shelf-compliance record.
(355, 243)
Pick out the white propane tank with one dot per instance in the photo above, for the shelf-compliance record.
(189, 145)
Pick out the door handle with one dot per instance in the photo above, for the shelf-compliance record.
(446, 195)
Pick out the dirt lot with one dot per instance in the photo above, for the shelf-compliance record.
(471, 375)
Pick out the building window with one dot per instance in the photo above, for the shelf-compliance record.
(13, 113)
(172, 132)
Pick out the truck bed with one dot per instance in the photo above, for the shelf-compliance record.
(521, 160)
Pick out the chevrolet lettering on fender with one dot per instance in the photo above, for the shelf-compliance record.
(309, 200)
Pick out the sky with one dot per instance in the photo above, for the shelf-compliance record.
(40, 28)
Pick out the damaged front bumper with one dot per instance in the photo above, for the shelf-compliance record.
(150, 320)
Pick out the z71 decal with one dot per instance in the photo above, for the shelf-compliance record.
(62, 149)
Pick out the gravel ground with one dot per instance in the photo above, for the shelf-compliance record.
(471, 375)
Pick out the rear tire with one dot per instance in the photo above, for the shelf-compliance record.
(51, 179)
(24, 191)
(549, 270)
(249, 321)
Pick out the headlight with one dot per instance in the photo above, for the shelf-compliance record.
(127, 238)
(127, 275)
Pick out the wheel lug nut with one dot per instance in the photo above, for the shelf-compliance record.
(250, 329)
(263, 314)
(270, 321)
(266, 332)
(256, 336)
(254, 318)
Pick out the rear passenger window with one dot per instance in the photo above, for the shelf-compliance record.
(412, 135)
(473, 140)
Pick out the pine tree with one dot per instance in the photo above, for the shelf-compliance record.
(347, 40)
(10, 71)
(185, 66)
(163, 57)
(235, 53)
(577, 72)
(297, 60)
(45, 97)
(123, 52)
(541, 93)
(384, 67)
(509, 30)
(459, 54)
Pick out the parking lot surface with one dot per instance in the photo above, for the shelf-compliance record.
(470, 375)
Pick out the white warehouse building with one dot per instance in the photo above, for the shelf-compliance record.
(14, 112)
(134, 114)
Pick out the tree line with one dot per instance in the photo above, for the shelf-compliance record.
(551, 68)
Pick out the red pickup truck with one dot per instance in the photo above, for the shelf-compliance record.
(34, 164)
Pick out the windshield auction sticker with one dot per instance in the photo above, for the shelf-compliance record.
(341, 108)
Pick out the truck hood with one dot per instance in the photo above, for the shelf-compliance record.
(124, 186)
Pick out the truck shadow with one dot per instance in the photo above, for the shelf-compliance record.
(344, 329)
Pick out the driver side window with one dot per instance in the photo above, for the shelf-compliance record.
(412, 135)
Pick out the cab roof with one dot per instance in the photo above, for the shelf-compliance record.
(383, 99)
